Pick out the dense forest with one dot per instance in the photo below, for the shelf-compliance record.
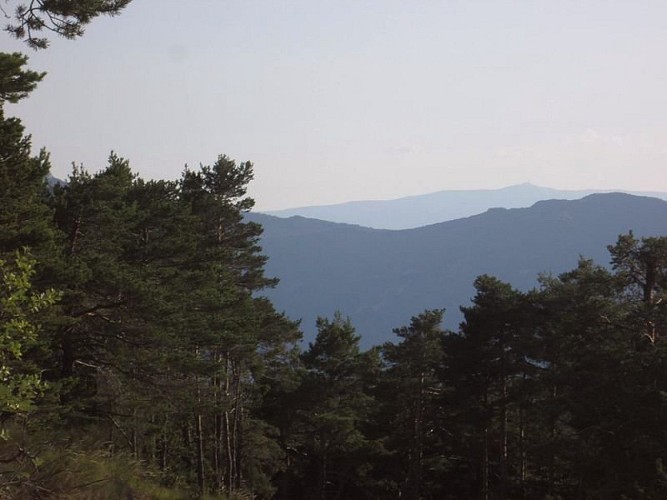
(139, 359)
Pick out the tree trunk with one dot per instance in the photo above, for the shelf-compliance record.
(237, 431)
(201, 482)
(227, 428)
(503, 432)
(485, 455)
(218, 466)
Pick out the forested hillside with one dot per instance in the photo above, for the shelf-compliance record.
(380, 278)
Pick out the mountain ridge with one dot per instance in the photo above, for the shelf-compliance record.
(380, 278)
(430, 208)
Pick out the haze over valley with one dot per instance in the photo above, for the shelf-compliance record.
(380, 278)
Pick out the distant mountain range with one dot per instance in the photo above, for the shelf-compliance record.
(416, 211)
(380, 278)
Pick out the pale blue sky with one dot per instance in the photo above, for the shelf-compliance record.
(353, 99)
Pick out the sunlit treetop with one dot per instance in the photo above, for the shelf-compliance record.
(29, 20)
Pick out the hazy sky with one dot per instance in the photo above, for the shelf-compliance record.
(359, 99)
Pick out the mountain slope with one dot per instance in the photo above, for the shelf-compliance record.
(416, 211)
(380, 278)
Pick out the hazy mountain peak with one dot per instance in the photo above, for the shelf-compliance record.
(440, 206)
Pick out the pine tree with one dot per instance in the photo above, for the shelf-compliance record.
(485, 366)
(62, 17)
(415, 422)
(25, 220)
(332, 408)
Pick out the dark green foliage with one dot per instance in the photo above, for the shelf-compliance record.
(24, 215)
(66, 18)
(15, 82)
(486, 368)
(411, 391)
(162, 304)
(329, 451)
(160, 344)
(641, 267)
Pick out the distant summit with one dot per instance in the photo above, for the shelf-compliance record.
(52, 181)
(441, 206)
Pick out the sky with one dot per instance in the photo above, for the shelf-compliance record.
(345, 100)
